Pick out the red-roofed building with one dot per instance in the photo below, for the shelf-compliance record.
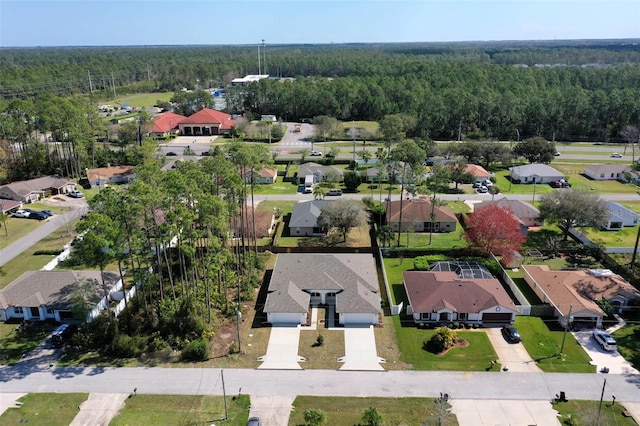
(166, 124)
(477, 171)
(206, 122)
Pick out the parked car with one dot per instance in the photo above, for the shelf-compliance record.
(62, 334)
(75, 194)
(616, 155)
(511, 334)
(21, 214)
(334, 192)
(49, 213)
(605, 340)
(316, 154)
(254, 421)
(37, 215)
(559, 184)
(482, 182)
(482, 190)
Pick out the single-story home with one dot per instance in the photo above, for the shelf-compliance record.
(10, 206)
(347, 284)
(477, 171)
(32, 190)
(524, 212)
(266, 175)
(453, 296)
(319, 172)
(608, 171)
(166, 124)
(206, 122)
(534, 173)
(304, 218)
(41, 295)
(620, 216)
(392, 170)
(416, 216)
(575, 292)
(265, 223)
(113, 174)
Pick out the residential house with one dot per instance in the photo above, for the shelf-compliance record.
(392, 170)
(206, 122)
(304, 218)
(32, 190)
(9, 206)
(102, 176)
(265, 175)
(620, 216)
(534, 173)
(416, 216)
(346, 284)
(264, 224)
(607, 171)
(457, 292)
(319, 172)
(166, 124)
(527, 215)
(41, 295)
(477, 171)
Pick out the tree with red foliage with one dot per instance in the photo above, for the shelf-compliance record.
(494, 229)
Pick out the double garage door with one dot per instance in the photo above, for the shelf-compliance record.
(496, 318)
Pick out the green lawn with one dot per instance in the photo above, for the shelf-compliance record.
(442, 240)
(586, 413)
(506, 187)
(321, 357)
(14, 345)
(277, 188)
(19, 227)
(142, 99)
(45, 409)
(543, 340)
(628, 339)
(285, 206)
(626, 237)
(183, 410)
(348, 411)
(370, 126)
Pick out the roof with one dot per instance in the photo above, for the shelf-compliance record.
(25, 187)
(418, 210)
(477, 171)
(311, 168)
(6, 205)
(433, 291)
(263, 223)
(166, 122)
(535, 170)
(395, 167)
(104, 173)
(579, 289)
(305, 213)
(619, 210)
(607, 168)
(519, 209)
(264, 172)
(352, 277)
(53, 288)
(207, 116)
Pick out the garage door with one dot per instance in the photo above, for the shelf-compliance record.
(496, 318)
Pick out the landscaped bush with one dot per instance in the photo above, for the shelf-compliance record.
(51, 252)
(421, 263)
(128, 346)
(196, 350)
(442, 339)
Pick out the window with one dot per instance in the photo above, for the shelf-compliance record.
(601, 175)
(463, 316)
(18, 310)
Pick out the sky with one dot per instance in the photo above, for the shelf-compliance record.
(29, 23)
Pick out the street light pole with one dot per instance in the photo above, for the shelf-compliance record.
(600, 406)
(566, 327)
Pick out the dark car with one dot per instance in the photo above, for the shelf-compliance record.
(254, 421)
(33, 214)
(329, 155)
(511, 334)
(171, 154)
(62, 334)
(560, 184)
(49, 213)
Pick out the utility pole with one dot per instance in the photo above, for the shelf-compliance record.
(113, 86)
(264, 57)
(90, 84)
(224, 396)
(353, 133)
(600, 406)
(566, 327)
(259, 66)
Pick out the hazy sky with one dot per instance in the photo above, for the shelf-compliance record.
(158, 22)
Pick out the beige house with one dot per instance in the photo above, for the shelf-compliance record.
(28, 191)
(416, 216)
(102, 176)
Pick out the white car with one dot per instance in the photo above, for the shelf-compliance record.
(316, 154)
(74, 193)
(21, 213)
(605, 340)
(616, 155)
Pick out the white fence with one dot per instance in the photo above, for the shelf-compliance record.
(524, 308)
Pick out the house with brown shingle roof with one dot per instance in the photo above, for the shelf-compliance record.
(416, 216)
(446, 296)
(579, 290)
(102, 176)
(32, 190)
(41, 295)
(526, 214)
(265, 175)
(206, 122)
(477, 171)
(9, 206)
(264, 221)
(166, 124)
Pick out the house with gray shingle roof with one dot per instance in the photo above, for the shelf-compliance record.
(32, 190)
(534, 173)
(607, 171)
(347, 284)
(41, 295)
(526, 214)
(319, 172)
(304, 218)
(620, 216)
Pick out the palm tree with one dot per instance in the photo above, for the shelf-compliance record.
(318, 192)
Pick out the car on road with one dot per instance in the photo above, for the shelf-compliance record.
(605, 340)
(556, 154)
(74, 193)
(20, 214)
(337, 192)
(316, 154)
(616, 155)
(171, 154)
(511, 334)
(329, 155)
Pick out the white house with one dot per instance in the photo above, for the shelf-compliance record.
(620, 216)
(534, 173)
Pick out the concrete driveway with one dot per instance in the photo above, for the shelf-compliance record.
(492, 412)
(601, 358)
(272, 410)
(282, 352)
(512, 355)
(99, 409)
(360, 349)
(10, 400)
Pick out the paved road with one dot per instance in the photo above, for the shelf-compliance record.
(197, 381)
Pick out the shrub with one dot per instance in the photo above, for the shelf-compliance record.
(320, 340)
(51, 252)
(196, 350)
(315, 417)
(371, 417)
(421, 263)
(125, 346)
(442, 339)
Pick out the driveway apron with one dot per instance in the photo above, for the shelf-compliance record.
(10, 400)
(360, 349)
(474, 412)
(601, 358)
(282, 351)
(511, 355)
(99, 409)
(272, 410)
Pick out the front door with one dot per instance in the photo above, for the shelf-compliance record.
(444, 316)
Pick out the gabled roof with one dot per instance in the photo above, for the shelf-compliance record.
(607, 168)
(536, 170)
(305, 213)
(25, 187)
(104, 173)
(619, 210)
(418, 210)
(311, 168)
(263, 172)
(477, 171)
(53, 288)
(6, 205)
(393, 167)
(352, 277)
(166, 122)
(520, 209)
(207, 116)
(263, 223)
(433, 291)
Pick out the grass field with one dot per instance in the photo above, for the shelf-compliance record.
(183, 410)
(14, 345)
(142, 99)
(343, 411)
(321, 357)
(586, 413)
(19, 227)
(628, 339)
(45, 409)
